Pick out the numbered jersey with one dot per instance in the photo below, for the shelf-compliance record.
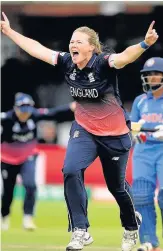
(149, 109)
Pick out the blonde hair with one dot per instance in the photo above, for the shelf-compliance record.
(93, 37)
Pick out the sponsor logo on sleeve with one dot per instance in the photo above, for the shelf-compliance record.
(62, 53)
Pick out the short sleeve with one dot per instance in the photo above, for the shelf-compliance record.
(63, 60)
(111, 61)
(104, 59)
(103, 65)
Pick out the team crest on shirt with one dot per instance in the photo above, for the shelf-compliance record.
(73, 75)
(76, 134)
(91, 77)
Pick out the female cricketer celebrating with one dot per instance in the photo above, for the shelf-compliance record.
(101, 126)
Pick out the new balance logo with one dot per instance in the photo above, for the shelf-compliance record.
(76, 134)
(115, 158)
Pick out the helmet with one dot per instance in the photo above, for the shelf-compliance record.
(154, 64)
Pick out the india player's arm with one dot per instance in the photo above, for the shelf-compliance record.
(135, 116)
(133, 52)
(135, 112)
(59, 114)
(135, 125)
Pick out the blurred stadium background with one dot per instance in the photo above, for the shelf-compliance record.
(119, 25)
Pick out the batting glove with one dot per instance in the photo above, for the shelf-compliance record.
(159, 134)
(140, 138)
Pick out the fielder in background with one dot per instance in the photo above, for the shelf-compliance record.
(148, 154)
(18, 151)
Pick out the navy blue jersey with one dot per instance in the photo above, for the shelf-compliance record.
(94, 81)
(95, 88)
(19, 138)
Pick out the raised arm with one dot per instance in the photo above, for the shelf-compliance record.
(133, 52)
(32, 47)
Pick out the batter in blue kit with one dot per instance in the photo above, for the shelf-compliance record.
(148, 156)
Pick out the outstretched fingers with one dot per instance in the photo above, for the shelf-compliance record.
(5, 17)
(151, 26)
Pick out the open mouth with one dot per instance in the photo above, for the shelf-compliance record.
(75, 54)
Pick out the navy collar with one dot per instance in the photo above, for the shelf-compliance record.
(89, 64)
(91, 61)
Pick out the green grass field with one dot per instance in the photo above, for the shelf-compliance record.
(52, 228)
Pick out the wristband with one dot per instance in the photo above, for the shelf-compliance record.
(144, 45)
